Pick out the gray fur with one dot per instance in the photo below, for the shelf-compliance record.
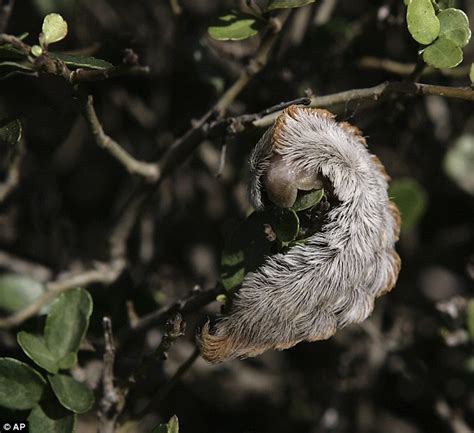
(331, 281)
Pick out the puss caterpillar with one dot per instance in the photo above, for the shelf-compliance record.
(333, 279)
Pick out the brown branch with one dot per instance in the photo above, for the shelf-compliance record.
(405, 69)
(15, 43)
(193, 302)
(377, 93)
(148, 171)
(113, 399)
(90, 75)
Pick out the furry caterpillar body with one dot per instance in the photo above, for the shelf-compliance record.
(333, 279)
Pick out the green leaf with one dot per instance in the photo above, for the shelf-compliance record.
(72, 394)
(308, 200)
(455, 26)
(470, 318)
(82, 61)
(423, 24)
(21, 387)
(287, 4)
(18, 291)
(54, 29)
(246, 249)
(459, 162)
(234, 27)
(171, 427)
(444, 53)
(36, 349)
(67, 322)
(10, 133)
(411, 199)
(51, 417)
(68, 361)
(285, 224)
(471, 73)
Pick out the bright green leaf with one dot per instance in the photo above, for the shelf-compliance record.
(36, 349)
(285, 223)
(423, 24)
(54, 29)
(82, 61)
(459, 162)
(444, 53)
(470, 318)
(287, 4)
(455, 26)
(21, 387)
(51, 417)
(67, 322)
(234, 27)
(18, 291)
(411, 199)
(246, 249)
(471, 73)
(72, 394)
(307, 200)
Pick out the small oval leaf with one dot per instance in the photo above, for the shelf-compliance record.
(423, 24)
(10, 133)
(234, 27)
(285, 224)
(82, 61)
(54, 29)
(459, 161)
(443, 53)
(51, 417)
(455, 26)
(307, 200)
(246, 249)
(67, 322)
(35, 348)
(72, 394)
(411, 199)
(471, 73)
(21, 387)
(18, 291)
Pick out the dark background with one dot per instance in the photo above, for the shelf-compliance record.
(397, 372)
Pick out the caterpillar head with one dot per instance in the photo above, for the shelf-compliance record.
(278, 177)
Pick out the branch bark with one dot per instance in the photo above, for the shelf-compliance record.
(377, 93)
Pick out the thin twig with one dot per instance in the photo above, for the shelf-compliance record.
(377, 93)
(403, 69)
(193, 302)
(175, 328)
(113, 399)
(13, 176)
(148, 171)
(90, 75)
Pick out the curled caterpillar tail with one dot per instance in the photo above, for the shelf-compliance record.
(332, 279)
